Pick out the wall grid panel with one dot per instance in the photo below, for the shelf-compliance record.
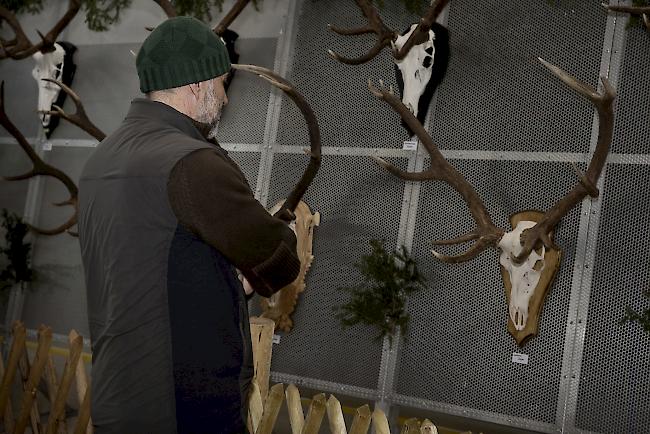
(586, 372)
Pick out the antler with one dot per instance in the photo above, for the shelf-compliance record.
(40, 168)
(232, 14)
(21, 47)
(386, 36)
(644, 11)
(227, 20)
(603, 102)
(314, 134)
(420, 33)
(79, 117)
(486, 232)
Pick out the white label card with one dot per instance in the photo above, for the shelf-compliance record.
(47, 146)
(520, 358)
(410, 145)
(276, 339)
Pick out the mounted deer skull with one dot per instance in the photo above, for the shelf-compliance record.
(54, 65)
(281, 305)
(529, 276)
(421, 54)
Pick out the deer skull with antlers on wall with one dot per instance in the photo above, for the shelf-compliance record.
(529, 256)
(421, 54)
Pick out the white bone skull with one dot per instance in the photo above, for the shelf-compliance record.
(416, 68)
(523, 277)
(48, 65)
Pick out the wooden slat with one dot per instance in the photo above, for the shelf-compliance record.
(335, 416)
(8, 413)
(83, 418)
(15, 354)
(262, 341)
(57, 411)
(35, 373)
(255, 408)
(315, 415)
(81, 380)
(52, 387)
(411, 426)
(294, 405)
(362, 419)
(428, 427)
(34, 413)
(379, 422)
(271, 409)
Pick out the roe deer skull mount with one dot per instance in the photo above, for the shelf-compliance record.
(525, 250)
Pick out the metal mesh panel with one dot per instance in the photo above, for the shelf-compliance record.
(58, 298)
(615, 381)
(458, 350)
(348, 114)
(244, 118)
(632, 129)
(249, 163)
(497, 96)
(357, 202)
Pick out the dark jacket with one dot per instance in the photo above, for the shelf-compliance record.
(164, 218)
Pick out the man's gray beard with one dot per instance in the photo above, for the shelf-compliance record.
(209, 112)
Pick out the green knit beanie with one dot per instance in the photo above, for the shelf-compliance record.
(180, 51)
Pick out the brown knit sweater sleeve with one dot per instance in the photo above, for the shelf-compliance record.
(210, 196)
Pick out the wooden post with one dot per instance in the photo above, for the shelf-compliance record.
(17, 348)
(83, 419)
(9, 413)
(315, 415)
(411, 426)
(81, 379)
(35, 373)
(57, 410)
(262, 338)
(379, 422)
(255, 407)
(271, 409)
(294, 405)
(361, 422)
(335, 416)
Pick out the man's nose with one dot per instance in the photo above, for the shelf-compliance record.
(225, 99)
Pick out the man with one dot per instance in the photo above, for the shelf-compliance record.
(166, 218)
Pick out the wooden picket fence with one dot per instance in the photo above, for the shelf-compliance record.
(264, 402)
(57, 388)
(262, 417)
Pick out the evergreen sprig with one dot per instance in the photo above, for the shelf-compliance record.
(16, 251)
(642, 318)
(102, 14)
(379, 301)
(20, 6)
